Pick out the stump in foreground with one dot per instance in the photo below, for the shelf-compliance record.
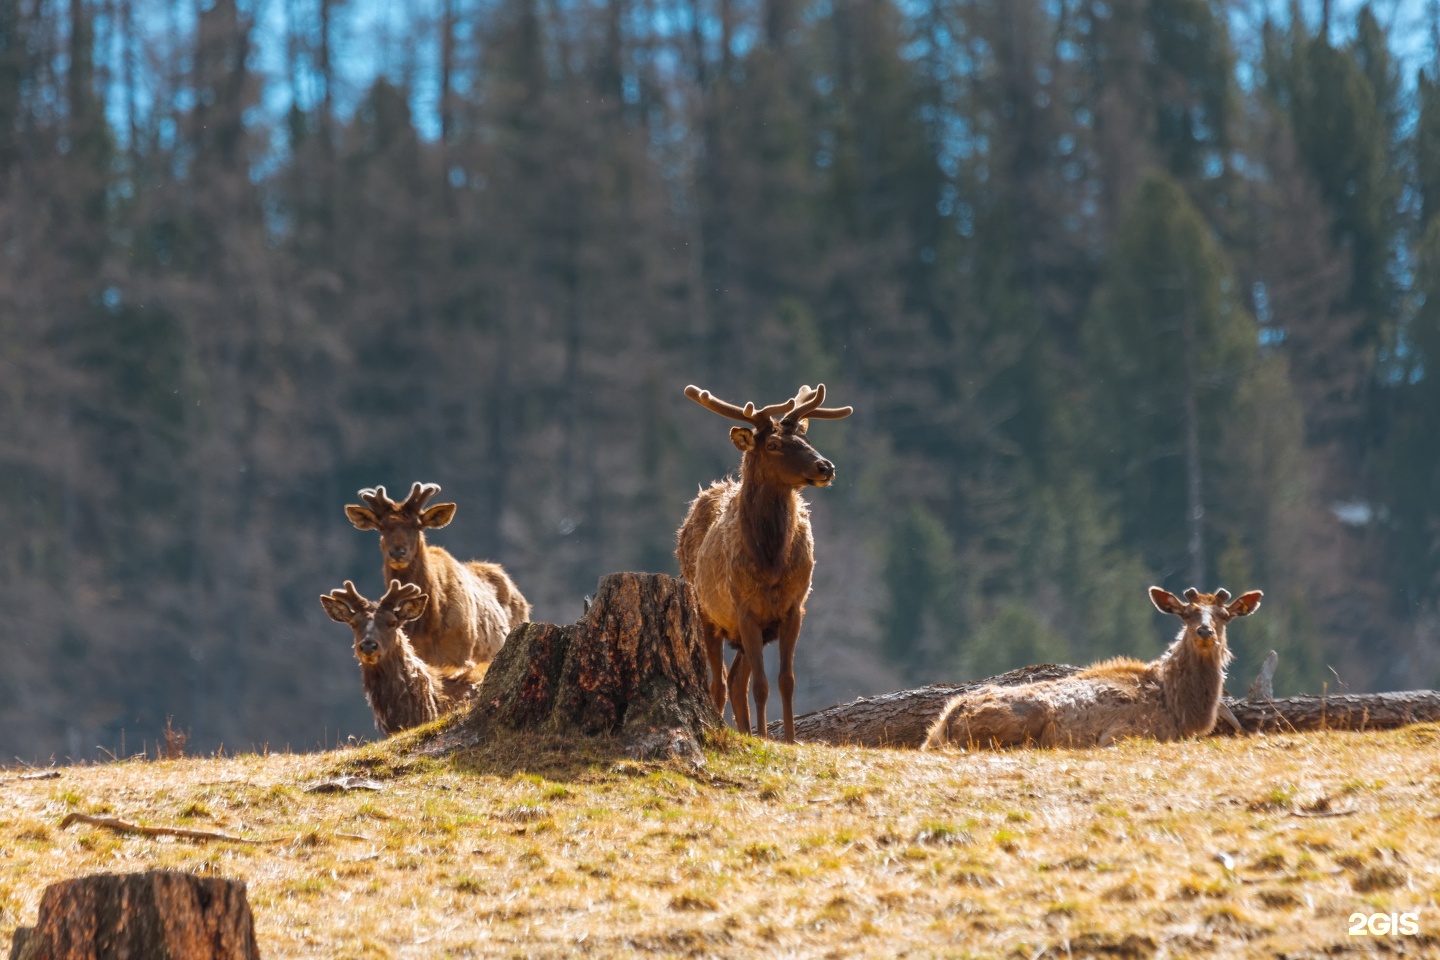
(160, 914)
(634, 665)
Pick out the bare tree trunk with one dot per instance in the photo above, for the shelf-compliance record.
(160, 913)
(1194, 502)
(447, 70)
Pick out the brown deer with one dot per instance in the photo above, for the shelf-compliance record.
(747, 549)
(1174, 696)
(403, 690)
(473, 605)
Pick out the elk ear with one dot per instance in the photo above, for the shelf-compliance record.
(362, 517)
(339, 610)
(1245, 604)
(802, 426)
(438, 516)
(410, 608)
(743, 438)
(1167, 602)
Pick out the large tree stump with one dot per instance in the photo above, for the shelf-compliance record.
(902, 719)
(159, 915)
(634, 665)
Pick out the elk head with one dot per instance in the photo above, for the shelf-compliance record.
(376, 623)
(400, 524)
(1205, 614)
(774, 444)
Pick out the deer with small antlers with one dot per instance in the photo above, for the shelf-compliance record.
(403, 690)
(473, 605)
(1172, 697)
(747, 550)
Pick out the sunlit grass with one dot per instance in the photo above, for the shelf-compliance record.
(543, 847)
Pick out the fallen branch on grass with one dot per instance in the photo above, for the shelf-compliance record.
(125, 826)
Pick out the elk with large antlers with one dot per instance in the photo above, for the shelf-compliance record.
(1175, 696)
(473, 605)
(747, 549)
(403, 690)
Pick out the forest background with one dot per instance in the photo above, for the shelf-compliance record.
(1122, 292)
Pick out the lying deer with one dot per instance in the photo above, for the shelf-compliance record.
(1172, 697)
(473, 605)
(747, 549)
(403, 690)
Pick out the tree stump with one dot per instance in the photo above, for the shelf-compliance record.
(158, 915)
(633, 665)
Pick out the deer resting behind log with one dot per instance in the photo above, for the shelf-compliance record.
(403, 690)
(747, 550)
(1172, 697)
(473, 605)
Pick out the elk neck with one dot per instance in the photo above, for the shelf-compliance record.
(418, 573)
(401, 690)
(1192, 681)
(768, 514)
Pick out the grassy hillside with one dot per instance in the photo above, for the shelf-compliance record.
(1257, 847)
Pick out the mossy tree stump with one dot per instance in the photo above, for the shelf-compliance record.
(159, 915)
(633, 665)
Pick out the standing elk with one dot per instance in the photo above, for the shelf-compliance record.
(403, 690)
(473, 605)
(747, 549)
(1172, 697)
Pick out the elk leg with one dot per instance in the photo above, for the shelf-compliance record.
(754, 649)
(715, 653)
(788, 634)
(739, 695)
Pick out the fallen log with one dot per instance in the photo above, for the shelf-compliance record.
(160, 913)
(902, 719)
(633, 666)
(1348, 711)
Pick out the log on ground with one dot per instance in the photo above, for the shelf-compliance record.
(902, 719)
(633, 665)
(1349, 711)
(160, 914)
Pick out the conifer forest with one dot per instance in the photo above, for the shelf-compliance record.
(1123, 292)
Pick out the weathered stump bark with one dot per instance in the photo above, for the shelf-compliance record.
(634, 665)
(902, 719)
(159, 915)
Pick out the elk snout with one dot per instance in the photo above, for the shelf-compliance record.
(399, 554)
(1205, 632)
(824, 473)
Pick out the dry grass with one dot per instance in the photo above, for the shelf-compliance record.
(527, 849)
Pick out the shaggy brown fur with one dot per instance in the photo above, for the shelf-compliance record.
(1169, 698)
(747, 549)
(473, 606)
(403, 690)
